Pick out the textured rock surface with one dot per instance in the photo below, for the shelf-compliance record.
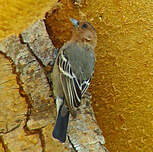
(52, 144)
(19, 141)
(1, 147)
(83, 131)
(33, 132)
(13, 107)
(39, 42)
(32, 77)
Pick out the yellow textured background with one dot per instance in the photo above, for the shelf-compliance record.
(16, 15)
(122, 87)
(123, 84)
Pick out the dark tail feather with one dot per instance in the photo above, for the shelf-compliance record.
(61, 125)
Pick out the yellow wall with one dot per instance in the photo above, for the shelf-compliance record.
(123, 84)
(16, 15)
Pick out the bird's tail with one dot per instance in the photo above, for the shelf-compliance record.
(60, 128)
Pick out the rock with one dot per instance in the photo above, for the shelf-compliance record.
(50, 143)
(32, 78)
(38, 41)
(18, 141)
(83, 133)
(13, 107)
(1, 147)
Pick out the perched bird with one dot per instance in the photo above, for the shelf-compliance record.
(72, 73)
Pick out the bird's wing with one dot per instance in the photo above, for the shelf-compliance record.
(85, 84)
(72, 86)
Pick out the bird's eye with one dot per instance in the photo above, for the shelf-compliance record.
(85, 26)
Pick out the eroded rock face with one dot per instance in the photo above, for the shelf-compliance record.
(31, 74)
(13, 107)
(18, 140)
(29, 82)
(27, 109)
(1, 148)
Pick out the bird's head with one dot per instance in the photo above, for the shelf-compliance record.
(84, 32)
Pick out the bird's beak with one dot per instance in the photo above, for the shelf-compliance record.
(74, 22)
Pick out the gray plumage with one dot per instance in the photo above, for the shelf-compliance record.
(73, 74)
(82, 60)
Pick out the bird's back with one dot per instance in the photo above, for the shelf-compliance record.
(82, 60)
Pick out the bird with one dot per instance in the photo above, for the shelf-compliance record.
(72, 73)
